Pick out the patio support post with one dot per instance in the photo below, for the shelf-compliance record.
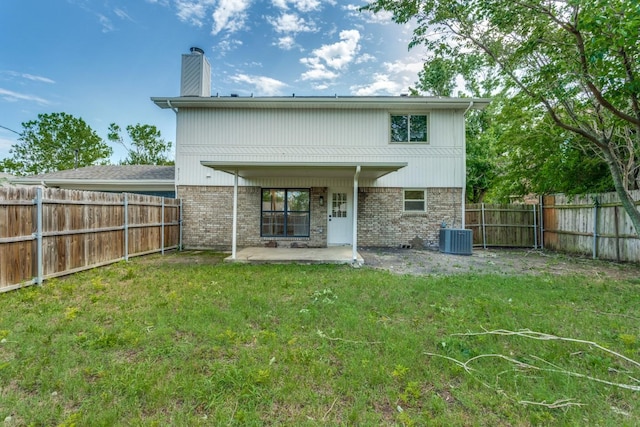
(235, 215)
(354, 243)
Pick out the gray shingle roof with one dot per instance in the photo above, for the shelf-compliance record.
(113, 172)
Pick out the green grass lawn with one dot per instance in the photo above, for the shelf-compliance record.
(156, 343)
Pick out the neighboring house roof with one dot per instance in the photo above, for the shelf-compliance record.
(352, 102)
(5, 178)
(107, 178)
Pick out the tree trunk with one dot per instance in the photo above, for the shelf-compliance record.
(625, 198)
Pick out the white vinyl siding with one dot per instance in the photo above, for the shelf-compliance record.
(316, 135)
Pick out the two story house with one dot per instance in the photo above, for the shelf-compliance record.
(315, 171)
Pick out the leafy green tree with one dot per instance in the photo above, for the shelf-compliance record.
(54, 142)
(439, 78)
(146, 147)
(577, 59)
(538, 157)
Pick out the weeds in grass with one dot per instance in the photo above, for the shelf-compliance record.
(158, 342)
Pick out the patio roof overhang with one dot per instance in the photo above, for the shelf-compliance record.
(368, 170)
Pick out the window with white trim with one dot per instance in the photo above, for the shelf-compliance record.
(409, 128)
(415, 200)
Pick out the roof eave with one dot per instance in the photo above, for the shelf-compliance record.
(391, 103)
(95, 182)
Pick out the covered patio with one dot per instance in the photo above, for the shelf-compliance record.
(355, 171)
(329, 255)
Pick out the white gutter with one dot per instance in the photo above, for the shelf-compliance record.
(464, 165)
(393, 103)
(354, 240)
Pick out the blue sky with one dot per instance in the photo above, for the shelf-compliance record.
(102, 60)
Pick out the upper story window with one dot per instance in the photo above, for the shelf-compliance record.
(408, 128)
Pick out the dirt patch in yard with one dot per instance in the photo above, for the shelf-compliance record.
(496, 261)
(433, 262)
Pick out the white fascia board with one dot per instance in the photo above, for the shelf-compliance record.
(401, 103)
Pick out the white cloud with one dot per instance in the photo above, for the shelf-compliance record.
(339, 54)
(301, 5)
(328, 59)
(5, 144)
(291, 23)
(306, 5)
(398, 67)
(382, 17)
(29, 77)
(286, 43)
(227, 45)
(381, 85)
(264, 85)
(193, 12)
(365, 58)
(15, 96)
(230, 15)
(319, 72)
(396, 78)
(107, 26)
(122, 14)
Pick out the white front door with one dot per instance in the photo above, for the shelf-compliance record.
(340, 221)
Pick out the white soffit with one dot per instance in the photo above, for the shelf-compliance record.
(368, 170)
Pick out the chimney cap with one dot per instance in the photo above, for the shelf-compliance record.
(197, 50)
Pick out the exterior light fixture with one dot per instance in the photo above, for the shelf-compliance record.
(321, 200)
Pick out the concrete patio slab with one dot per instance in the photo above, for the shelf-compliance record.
(329, 255)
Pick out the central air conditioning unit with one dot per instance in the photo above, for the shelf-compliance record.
(456, 241)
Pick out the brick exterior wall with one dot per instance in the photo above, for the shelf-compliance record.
(208, 217)
(382, 222)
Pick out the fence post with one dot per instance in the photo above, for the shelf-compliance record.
(162, 229)
(39, 249)
(615, 216)
(484, 231)
(595, 227)
(541, 222)
(535, 228)
(180, 225)
(126, 227)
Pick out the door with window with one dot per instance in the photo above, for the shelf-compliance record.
(340, 221)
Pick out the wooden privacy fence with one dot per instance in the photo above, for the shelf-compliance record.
(49, 232)
(507, 225)
(595, 225)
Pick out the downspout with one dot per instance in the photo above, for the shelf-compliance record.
(354, 240)
(175, 110)
(175, 180)
(464, 165)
